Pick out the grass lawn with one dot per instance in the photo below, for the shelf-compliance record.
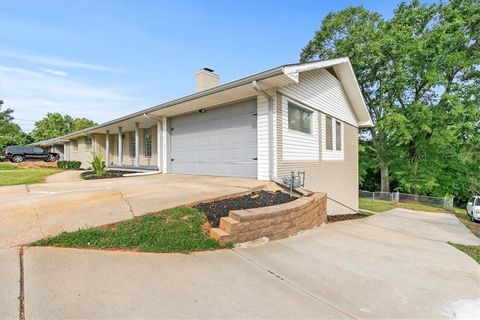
(472, 251)
(382, 205)
(174, 230)
(7, 166)
(375, 205)
(11, 175)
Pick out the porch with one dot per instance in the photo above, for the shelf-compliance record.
(140, 168)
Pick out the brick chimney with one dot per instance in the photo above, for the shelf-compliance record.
(206, 79)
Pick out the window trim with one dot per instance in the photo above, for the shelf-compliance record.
(146, 145)
(329, 146)
(75, 144)
(131, 145)
(338, 135)
(88, 145)
(303, 108)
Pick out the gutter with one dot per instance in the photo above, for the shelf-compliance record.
(243, 81)
(270, 126)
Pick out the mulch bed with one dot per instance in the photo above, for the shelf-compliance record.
(343, 217)
(217, 209)
(90, 175)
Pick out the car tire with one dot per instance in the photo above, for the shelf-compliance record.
(17, 158)
(51, 158)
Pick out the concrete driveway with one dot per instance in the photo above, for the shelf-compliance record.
(29, 213)
(391, 265)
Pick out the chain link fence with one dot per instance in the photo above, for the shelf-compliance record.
(396, 197)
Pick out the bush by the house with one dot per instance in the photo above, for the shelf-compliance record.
(70, 165)
(98, 165)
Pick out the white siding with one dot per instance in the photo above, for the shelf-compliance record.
(321, 90)
(332, 154)
(262, 139)
(299, 145)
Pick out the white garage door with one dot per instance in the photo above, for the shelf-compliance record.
(220, 141)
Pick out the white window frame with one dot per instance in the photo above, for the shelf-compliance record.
(332, 154)
(147, 144)
(89, 143)
(309, 147)
(338, 122)
(301, 107)
(131, 145)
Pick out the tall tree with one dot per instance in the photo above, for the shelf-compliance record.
(82, 123)
(10, 132)
(419, 74)
(55, 124)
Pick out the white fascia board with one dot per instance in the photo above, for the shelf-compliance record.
(346, 75)
(302, 67)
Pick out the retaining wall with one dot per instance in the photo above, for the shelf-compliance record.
(273, 222)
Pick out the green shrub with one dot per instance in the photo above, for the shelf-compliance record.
(98, 165)
(69, 165)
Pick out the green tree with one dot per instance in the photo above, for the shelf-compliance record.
(10, 133)
(419, 74)
(82, 123)
(55, 124)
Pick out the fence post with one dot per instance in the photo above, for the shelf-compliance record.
(373, 196)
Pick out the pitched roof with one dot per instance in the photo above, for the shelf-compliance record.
(343, 69)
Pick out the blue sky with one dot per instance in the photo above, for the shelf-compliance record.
(104, 59)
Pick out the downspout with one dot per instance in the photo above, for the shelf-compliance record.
(270, 126)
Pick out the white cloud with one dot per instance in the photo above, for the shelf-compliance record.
(55, 72)
(33, 93)
(56, 62)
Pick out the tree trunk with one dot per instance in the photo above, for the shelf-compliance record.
(384, 183)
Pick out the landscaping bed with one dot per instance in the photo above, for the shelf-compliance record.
(217, 209)
(90, 175)
(344, 217)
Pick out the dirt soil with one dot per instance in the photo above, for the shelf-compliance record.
(217, 209)
(35, 164)
(343, 217)
(89, 175)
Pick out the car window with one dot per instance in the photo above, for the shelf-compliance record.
(37, 150)
(477, 203)
(471, 200)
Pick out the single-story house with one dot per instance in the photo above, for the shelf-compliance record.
(296, 117)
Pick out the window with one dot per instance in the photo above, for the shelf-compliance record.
(132, 144)
(75, 144)
(338, 135)
(37, 150)
(328, 133)
(147, 144)
(88, 142)
(299, 119)
(477, 203)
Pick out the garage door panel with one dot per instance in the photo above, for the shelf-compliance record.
(221, 141)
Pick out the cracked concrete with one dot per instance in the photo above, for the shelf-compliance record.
(9, 283)
(30, 213)
(391, 265)
(128, 203)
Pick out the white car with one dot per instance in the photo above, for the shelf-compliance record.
(473, 208)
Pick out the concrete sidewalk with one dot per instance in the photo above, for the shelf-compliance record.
(391, 265)
(64, 176)
(29, 213)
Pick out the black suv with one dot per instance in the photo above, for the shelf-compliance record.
(19, 153)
